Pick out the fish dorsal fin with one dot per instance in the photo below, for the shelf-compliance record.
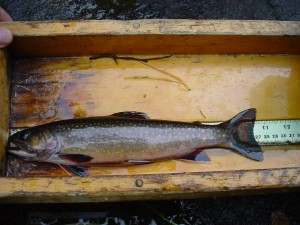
(132, 114)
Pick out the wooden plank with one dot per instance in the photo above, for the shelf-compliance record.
(156, 26)
(154, 37)
(5, 107)
(44, 90)
(144, 187)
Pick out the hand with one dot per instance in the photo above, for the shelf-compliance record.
(5, 34)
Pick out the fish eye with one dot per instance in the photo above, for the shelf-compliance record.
(26, 136)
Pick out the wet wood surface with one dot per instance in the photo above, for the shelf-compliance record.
(219, 87)
(216, 88)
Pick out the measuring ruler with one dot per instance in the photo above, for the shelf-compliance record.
(274, 132)
(277, 132)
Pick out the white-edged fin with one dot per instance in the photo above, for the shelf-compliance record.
(80, 171)
(200, 157)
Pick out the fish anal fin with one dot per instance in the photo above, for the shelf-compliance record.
(132, 114)
(198, 156)
(76, 158)
(80, 171)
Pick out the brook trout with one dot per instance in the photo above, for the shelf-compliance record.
(131, 137)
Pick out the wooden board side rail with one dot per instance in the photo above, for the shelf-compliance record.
(59, 38)
(144, 187)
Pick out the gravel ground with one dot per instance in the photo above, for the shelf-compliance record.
(262, 209)
(150, 9)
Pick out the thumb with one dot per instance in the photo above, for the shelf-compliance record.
(5, 37)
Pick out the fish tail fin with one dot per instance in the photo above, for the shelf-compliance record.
(241, 135)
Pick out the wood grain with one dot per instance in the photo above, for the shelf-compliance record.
(145, 187)
(76, 38)
(5, 106)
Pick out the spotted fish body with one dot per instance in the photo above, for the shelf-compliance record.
(133, 137)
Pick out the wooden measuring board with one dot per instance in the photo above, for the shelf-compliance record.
(226, 66)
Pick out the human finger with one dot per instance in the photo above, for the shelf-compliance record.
(5, 37)
(4, 16)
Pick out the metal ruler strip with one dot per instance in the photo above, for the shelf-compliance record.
(277, 132)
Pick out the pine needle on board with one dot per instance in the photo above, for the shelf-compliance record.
(144, 61)
(180, 80)
(152, 78)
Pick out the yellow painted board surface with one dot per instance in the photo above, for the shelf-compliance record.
(220, 87)
(216, 88)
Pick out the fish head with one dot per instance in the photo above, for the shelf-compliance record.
(34, 143)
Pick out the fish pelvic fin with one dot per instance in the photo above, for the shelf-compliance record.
(80, 171)
(241, 135)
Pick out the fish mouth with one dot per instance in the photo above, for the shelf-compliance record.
(22, 153)
(22, 149)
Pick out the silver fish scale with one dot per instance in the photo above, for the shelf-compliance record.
(139, 139)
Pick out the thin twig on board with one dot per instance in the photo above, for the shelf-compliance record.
(115, 58)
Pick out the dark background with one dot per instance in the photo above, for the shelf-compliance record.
(151, 9)
(283, 208)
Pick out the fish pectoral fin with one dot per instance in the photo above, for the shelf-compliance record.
(136, 162)
(81, 171)
(200, 157)
(132, 114)
(76, 158)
